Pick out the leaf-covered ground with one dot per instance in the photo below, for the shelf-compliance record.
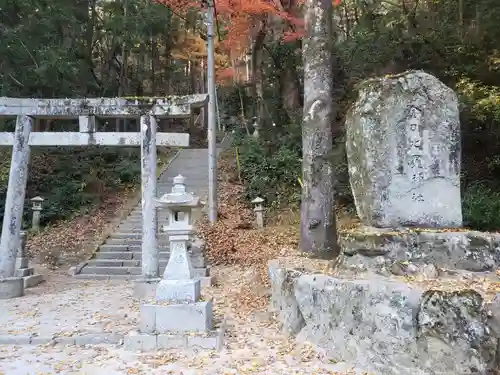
(253, 342)
(71, 241)
(239, 253)
(234, 241)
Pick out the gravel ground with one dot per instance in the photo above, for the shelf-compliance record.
(64, 306)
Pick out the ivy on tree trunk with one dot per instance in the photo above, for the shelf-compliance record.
(317, 214)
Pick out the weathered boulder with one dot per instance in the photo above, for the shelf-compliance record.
(453, 333)
(465, 250)
(403, 150)
(370, 324)
(385, 326)
(494, 315)
(283, 301)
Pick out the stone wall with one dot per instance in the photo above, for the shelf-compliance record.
(463, 250)
(383, 326)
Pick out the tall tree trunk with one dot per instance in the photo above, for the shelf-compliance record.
(167, 82)
(120, 123)
(257, 84)
(290, 90)
(317, 215)
(154, 54)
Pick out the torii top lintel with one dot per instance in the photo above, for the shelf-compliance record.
(170, 106)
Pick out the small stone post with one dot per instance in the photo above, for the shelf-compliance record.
(14, 202)
(259, 212)
(22, 265)
(256, 127)
(37, 209)
(150, 261)
(22, 259)
(177, 318)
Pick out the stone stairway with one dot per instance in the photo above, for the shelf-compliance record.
(120, 255)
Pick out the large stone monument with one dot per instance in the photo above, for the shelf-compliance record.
(177, 318)
(403, 151)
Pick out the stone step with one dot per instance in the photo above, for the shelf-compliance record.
(137, 235)
(205, 280)
(114, 255)
(127, 254)
(132, 241)
(129, 228)
(113, 262)
(197, 262)
(124, 247)
(138, 224)
(129, 271)
(103, 249)
(136, 229)
(137, 218)
(138, 215)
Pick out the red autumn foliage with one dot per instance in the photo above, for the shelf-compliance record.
(243, 18)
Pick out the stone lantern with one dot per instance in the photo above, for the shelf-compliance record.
(259, 212)
(37, 205)
(179, 205)
(177, 317)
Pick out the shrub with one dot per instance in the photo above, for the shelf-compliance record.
(72, 179)
(271, 168)
(481, 206)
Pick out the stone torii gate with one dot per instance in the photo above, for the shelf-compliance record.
(86, 111)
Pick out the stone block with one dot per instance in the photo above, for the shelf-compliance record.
(179, 266)
(140, 341)
(64, 340)
(11, 287)
(21, 262)
(98, 338)
(145, 288)
(211, 342)
(172, 341)
(368, 323)
(206, 281)
(283, 300)
(453, 334)
(201, 272)
(387, 327)
(41, 340)
(32, 280)
(15, 339)
(23, 272)
(147, 318)
(404, 152)
(467, 250)
(184, 317)
(178, 290)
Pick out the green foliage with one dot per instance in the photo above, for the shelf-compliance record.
(70, 48)
(271, 168)
(482, 102)
(339, 161)
(480, 206)
(458, 42)
(74, 179)
(231, 100)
